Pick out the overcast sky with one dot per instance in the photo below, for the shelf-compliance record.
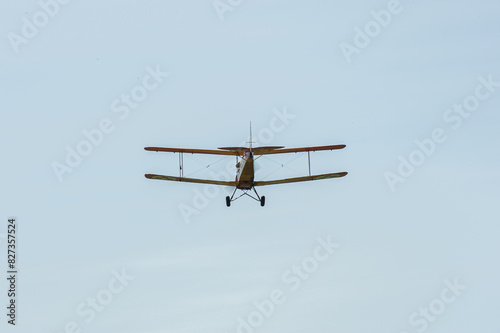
(406, 242)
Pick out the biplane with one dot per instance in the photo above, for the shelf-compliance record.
(245, 172)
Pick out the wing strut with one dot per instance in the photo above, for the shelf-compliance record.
(309, 160)
(181, 165)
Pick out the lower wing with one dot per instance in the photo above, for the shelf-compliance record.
(300, 179)
(191, 180)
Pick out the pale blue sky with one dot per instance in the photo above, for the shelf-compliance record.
(396, 247)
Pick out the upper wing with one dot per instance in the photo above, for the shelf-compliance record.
(300, 179)
(297, 150)
(236, 151)
(240, 150)
(256, 150)
(193, 151)
(190, 180)
(265, 149)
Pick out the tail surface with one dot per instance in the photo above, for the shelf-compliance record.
(250, 136)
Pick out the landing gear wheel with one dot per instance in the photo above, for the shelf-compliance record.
(262, 201)
(228, 201)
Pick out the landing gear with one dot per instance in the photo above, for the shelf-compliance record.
(258, 198)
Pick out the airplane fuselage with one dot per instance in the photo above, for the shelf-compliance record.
(245, 172)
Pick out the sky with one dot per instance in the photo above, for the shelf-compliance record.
(406, 242)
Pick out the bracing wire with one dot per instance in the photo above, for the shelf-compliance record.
(283, 165)
(205, 166)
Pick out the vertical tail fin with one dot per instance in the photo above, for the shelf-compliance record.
(250, 136)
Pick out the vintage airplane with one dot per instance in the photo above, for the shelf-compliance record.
(245, 167)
